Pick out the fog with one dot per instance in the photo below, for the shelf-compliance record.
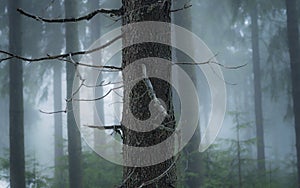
(226, 28)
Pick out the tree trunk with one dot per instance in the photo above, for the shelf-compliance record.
(95, 29)
(74, 139)
(16, 109)
(163, 174)
(58, 130)
(294, 50)
(194, 170)
(257, 92)
(55, 45)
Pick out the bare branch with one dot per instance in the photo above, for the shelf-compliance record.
(62, 56)
(111, 12)
(99, 98)
(114, 127)
(211, 62)
(55, 112)
(112, 68)
(102, 84)
(186, 6)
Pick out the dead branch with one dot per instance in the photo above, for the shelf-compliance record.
(76, 63)
(55, 112)
(63, 56)
(114, 127)
(212, 62)
(185, 6)
(111, 12)
(209, 61)
(102, 84)
(96, 99)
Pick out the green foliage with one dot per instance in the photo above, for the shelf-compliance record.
(97, 172)
(221, 169)
(231, 163)
(100, 173)
(34, 174)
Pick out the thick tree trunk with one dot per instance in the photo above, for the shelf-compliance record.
(294, 50)
(257, 92)
(194, 170)
(74, 139)
(58, 130)
(16, 109)
(136, 11)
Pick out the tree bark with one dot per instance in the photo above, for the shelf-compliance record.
(294, 50)
(16, 109)
(74, 139)
(137, 11)
(257, 92)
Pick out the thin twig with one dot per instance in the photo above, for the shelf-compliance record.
(111, 12)
(211, 62)
(102, 84)
(99, 98)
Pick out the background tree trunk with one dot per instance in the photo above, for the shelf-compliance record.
(294, 50)
(95, 29)
(55, 46)
(58, 127)
(136, 11)
(257, 92)
(16, 109)
(194, 170)
(74, 139)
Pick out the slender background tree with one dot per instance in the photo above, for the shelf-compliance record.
(294, 49)
(16, 113)
(74, 139)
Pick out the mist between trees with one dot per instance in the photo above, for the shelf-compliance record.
(57, 131)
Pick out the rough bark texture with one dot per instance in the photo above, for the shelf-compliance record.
(194, 170)
(16, 109)
(74, 139)
(136, 11)
(257, 92)
(294, 50)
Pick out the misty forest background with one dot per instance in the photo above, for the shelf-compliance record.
(256, 146)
